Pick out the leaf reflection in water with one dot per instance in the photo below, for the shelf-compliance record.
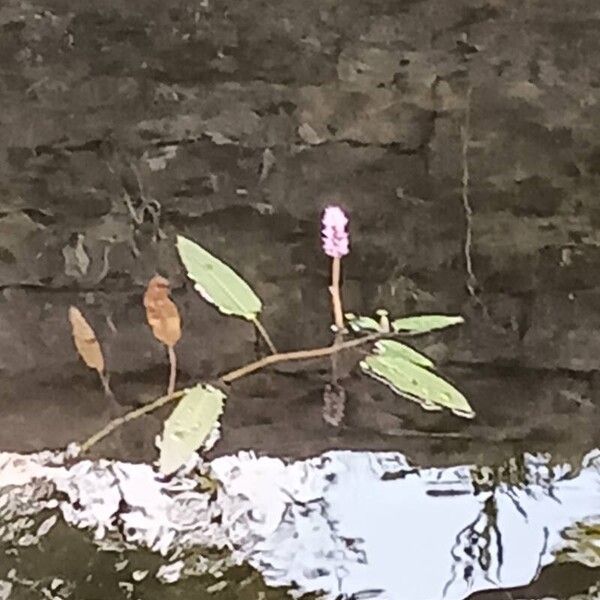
(349, 525)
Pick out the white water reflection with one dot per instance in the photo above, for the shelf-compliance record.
(351, 524)
(364, 522)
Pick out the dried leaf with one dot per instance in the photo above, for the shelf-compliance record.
(85, 340)
(161, 312)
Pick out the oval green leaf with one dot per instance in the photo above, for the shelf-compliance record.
(359, 323)
(189, 425)
(218, 283)
(391, 348)
(425, 323)
(411, 380)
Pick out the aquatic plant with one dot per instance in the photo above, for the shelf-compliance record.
(336, 244)
(163, 318)
(194, 422)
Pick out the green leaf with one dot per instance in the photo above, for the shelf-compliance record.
(189, 425)
(413, 381)
(218, 283)
(425, 323)
(361, 323)
(391, 348)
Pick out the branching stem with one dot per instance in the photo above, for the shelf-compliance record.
(130, 416)
(294, 356)
(229, 378)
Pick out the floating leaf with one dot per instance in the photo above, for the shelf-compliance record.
(218, 283)
(85, 340)
(413, 381)
(359, 323)
(189, 425)
(425, 323)
(161, 312)
(392, 348)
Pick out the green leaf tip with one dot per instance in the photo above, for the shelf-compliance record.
(391, 348)
(189, 425)
(408, 374)
(359, 323)
(421, 324)
(217, 282)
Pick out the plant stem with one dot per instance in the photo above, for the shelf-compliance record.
(228, 378)
(334, 289)
(295, 355)
(265, 335)
(338, 314)
(337, 341)
(134, 414)
(173, 370)
(104, 379)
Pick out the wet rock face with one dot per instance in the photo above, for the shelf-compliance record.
(234, 122)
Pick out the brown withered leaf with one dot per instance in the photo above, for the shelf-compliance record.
(85, 340)
(161, 312)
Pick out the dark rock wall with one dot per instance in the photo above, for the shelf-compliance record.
(235, 122)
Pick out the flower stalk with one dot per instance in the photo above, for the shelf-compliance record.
(336, 244)
(336, 296)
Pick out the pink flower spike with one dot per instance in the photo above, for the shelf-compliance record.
(334, 235)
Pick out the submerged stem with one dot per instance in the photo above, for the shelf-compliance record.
(337, 341)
